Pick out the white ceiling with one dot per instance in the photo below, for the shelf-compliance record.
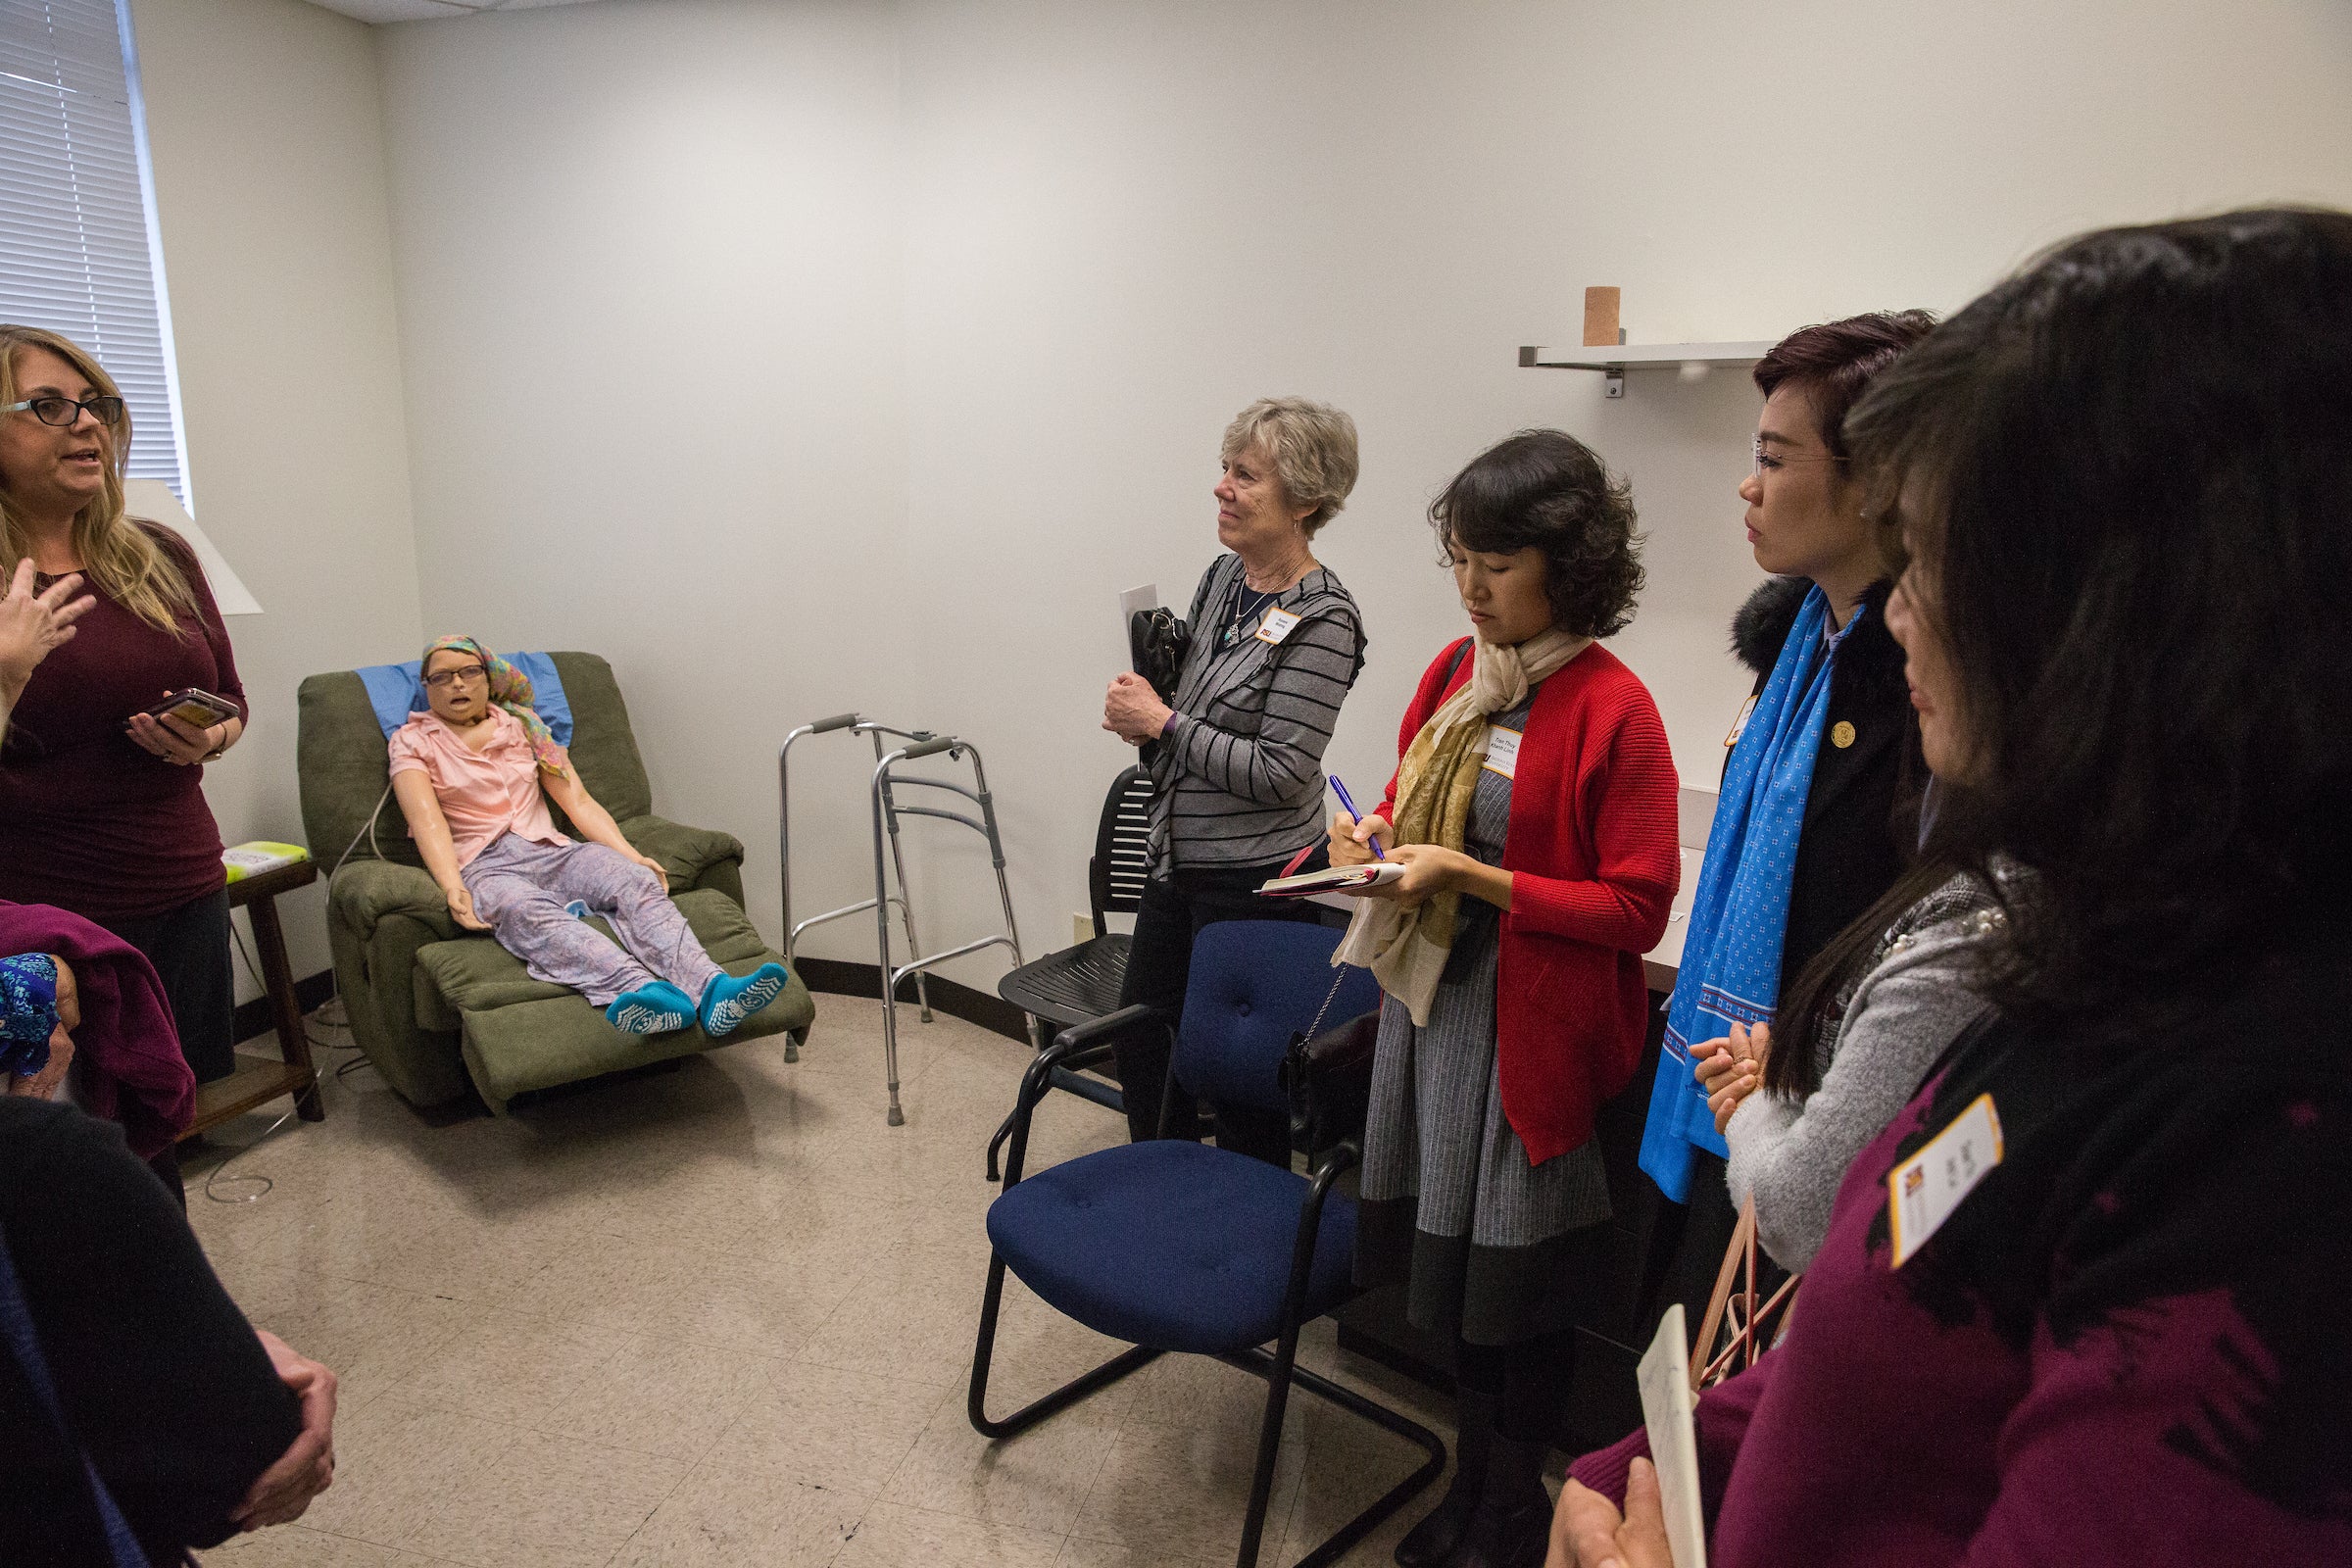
(420, 10)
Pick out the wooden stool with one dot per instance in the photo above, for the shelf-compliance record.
(248, 1087)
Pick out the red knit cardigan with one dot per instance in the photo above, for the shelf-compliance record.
(1593, 849)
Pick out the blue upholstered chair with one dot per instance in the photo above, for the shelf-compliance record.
(1175, 1245)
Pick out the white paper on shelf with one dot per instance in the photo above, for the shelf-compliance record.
(1667, 1415)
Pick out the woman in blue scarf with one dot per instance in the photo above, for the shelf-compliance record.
(1823, 775)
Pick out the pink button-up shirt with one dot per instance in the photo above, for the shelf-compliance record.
(483, 794)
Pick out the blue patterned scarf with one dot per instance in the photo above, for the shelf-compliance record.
(1731, 968)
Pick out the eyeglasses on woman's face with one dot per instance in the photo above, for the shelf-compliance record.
(440, 679)
(63, 412)
(1762, 460)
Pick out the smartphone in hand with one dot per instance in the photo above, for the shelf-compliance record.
(197, 708)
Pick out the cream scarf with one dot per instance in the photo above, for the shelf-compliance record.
(1405, 946)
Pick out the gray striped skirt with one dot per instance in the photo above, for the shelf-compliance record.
(1489, 1246)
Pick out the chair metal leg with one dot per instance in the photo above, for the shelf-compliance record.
(1261, 1363)
(1269, 1441)
(1279, 1367)
(1118, 1367)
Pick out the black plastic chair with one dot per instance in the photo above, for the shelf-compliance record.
(1080, 984)
(1177, 1246)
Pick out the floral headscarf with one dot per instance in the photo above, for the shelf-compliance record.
(510, 689)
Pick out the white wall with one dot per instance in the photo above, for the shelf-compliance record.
(266, 134)
(961, 295)
(648, 265)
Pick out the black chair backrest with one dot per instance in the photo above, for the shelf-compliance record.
(1122, 857)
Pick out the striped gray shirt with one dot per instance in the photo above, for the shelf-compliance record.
(1239, 779)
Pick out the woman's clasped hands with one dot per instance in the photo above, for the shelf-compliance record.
(280, 1493)
(1133, 711)
(1730, 1069)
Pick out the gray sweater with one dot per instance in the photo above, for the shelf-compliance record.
(1792, 1154)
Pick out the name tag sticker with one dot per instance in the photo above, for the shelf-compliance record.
(1922, 1191)
(1740, 724)
(1502, 750)
(1275, 625)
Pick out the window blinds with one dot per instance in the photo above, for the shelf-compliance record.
(77, 252)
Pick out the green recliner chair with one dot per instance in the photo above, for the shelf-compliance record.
(432, 1004)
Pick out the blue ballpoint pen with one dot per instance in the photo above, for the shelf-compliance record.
(1341, 790)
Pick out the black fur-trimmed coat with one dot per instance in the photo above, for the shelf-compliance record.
(1861, 819)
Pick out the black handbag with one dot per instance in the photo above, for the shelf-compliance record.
(1327, 1077)
(1156, 643)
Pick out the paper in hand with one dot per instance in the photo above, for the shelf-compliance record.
(1668, 1416)
(1134, 599)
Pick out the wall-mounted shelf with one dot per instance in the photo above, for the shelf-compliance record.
(1614, 360)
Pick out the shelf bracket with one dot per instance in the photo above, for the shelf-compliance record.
(1612, 384)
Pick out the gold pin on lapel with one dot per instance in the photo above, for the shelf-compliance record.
(1842, 734)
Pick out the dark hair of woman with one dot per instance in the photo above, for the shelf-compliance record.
(1833, 361)
(1547, 490)
(2124, 477)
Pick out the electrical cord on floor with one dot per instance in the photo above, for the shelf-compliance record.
(219, 1173)
(267, 1184)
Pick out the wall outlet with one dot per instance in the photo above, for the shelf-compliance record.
(1082, 928)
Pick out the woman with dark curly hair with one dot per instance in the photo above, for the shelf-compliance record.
(1510, 953)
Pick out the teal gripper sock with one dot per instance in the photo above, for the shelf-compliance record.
(655, 1009)
(727, 1000)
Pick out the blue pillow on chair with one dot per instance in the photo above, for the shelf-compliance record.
(395, 691)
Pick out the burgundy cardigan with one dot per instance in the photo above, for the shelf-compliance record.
(2125, 1346)
(88, 820)
(1593, 855)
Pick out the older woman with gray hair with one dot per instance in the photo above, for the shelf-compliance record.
(1275, 644)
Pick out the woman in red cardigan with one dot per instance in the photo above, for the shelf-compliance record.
(1533, 814)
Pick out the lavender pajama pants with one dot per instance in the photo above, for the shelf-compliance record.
(520, 890)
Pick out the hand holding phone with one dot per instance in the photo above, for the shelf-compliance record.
(179, 729)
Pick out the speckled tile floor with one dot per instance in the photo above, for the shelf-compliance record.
(723, 1314)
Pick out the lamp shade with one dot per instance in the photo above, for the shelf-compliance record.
(153, 500)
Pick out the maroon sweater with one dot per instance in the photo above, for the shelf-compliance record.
(2125, 1346)
(88, 820)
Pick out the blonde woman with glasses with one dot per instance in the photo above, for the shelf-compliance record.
(102, 808)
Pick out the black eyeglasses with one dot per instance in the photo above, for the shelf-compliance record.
(469, 674)
(63, 412)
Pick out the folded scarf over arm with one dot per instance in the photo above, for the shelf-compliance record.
(126, 1049)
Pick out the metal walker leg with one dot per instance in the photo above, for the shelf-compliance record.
(897, 859)
(887, 811)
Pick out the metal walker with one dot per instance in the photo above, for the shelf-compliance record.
(887, 811)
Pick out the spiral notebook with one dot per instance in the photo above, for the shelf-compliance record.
(1336, 879)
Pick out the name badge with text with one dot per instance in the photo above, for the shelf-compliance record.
(1275, 625)
(1922, 1191)
(1502, 750)
(1740, 724)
